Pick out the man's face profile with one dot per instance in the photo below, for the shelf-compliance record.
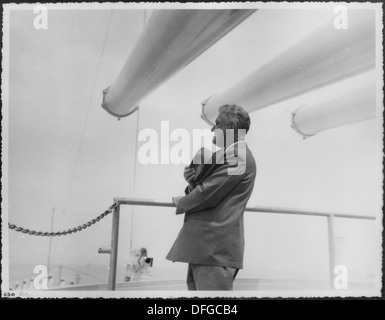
(221, 124)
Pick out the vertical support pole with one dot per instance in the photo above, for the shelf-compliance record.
(114, 247)
(331, 249)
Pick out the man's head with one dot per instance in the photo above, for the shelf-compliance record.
(230, 117)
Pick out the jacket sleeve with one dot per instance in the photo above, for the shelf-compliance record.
(211, 190)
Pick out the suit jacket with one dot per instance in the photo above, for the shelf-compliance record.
(213, 229)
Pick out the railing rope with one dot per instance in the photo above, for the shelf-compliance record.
(62, 233)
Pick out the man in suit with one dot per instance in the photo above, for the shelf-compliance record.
(211, 240)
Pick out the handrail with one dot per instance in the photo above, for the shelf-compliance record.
(150, 202)
(113, 251)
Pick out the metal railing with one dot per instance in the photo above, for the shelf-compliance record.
(113, 251)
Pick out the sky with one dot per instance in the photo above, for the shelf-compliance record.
(67, 155)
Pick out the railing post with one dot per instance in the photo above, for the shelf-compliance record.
(331, 249)
(114, 247)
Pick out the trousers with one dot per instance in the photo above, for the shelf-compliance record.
(201, 277)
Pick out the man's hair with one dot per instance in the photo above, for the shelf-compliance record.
(236, 115)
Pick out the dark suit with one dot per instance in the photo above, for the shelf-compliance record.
(213, 232)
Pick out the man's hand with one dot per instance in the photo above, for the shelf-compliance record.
(189, 175)
(176, 200)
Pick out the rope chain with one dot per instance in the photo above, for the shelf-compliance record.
(63, 233)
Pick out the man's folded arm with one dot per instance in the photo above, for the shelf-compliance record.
(210, 191)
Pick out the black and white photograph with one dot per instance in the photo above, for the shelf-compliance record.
(180, 150)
